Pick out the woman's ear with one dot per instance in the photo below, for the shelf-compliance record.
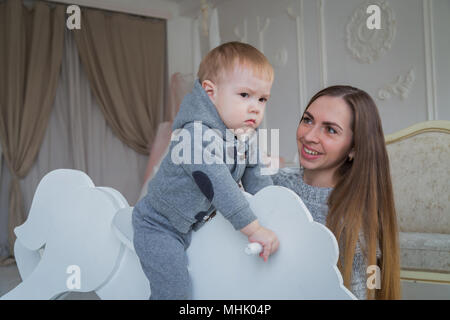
(210, 89)
(351, 155)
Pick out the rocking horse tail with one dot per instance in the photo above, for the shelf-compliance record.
(34, 287)
(27, 260)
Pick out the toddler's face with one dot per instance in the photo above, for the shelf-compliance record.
(240, 98)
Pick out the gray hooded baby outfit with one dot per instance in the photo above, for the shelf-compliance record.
(195, 179)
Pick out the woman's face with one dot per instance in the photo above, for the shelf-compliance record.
(324, 136)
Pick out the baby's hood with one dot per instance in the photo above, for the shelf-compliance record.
(197, 106)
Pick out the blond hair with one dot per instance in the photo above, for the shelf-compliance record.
(225, 57)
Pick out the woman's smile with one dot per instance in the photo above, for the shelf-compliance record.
(309, 154)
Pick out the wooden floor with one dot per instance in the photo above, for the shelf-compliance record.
(412, 290)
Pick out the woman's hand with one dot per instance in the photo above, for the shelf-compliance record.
(267, 238)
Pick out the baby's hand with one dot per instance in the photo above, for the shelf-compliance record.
(267, 238)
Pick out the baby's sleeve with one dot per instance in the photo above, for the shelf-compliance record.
(256, 175)
(253, 180)
(217, 184)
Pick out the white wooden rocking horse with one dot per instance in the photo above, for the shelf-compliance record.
(73, 225)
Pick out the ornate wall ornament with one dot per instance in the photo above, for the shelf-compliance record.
(281, 57)
(262, 27)
(368, 45)
(400, 87)
(237, 33)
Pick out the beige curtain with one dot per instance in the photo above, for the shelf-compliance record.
(31, 45)
(125, 59)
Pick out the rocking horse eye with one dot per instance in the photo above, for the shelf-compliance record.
(204, 183)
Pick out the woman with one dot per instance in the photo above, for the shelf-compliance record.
(344, 180)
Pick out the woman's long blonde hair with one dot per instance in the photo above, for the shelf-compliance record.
(362, 199)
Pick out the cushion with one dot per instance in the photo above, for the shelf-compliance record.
(420, 173)
(425, 251)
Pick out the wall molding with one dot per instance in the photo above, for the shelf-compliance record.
(262, 27)
(322, 44)
(281, 57)
(429, 60)
(237, 33)
(300, 54)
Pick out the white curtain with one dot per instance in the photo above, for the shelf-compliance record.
(77, 137)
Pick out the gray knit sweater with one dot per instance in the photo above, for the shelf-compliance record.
(315, 199)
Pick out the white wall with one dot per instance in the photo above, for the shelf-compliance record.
(441, 15)
(179, 45)
(311, 51)
(418, 52)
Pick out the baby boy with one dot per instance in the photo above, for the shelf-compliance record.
(227, 102)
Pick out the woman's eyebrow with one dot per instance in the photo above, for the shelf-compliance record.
(328, 123)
